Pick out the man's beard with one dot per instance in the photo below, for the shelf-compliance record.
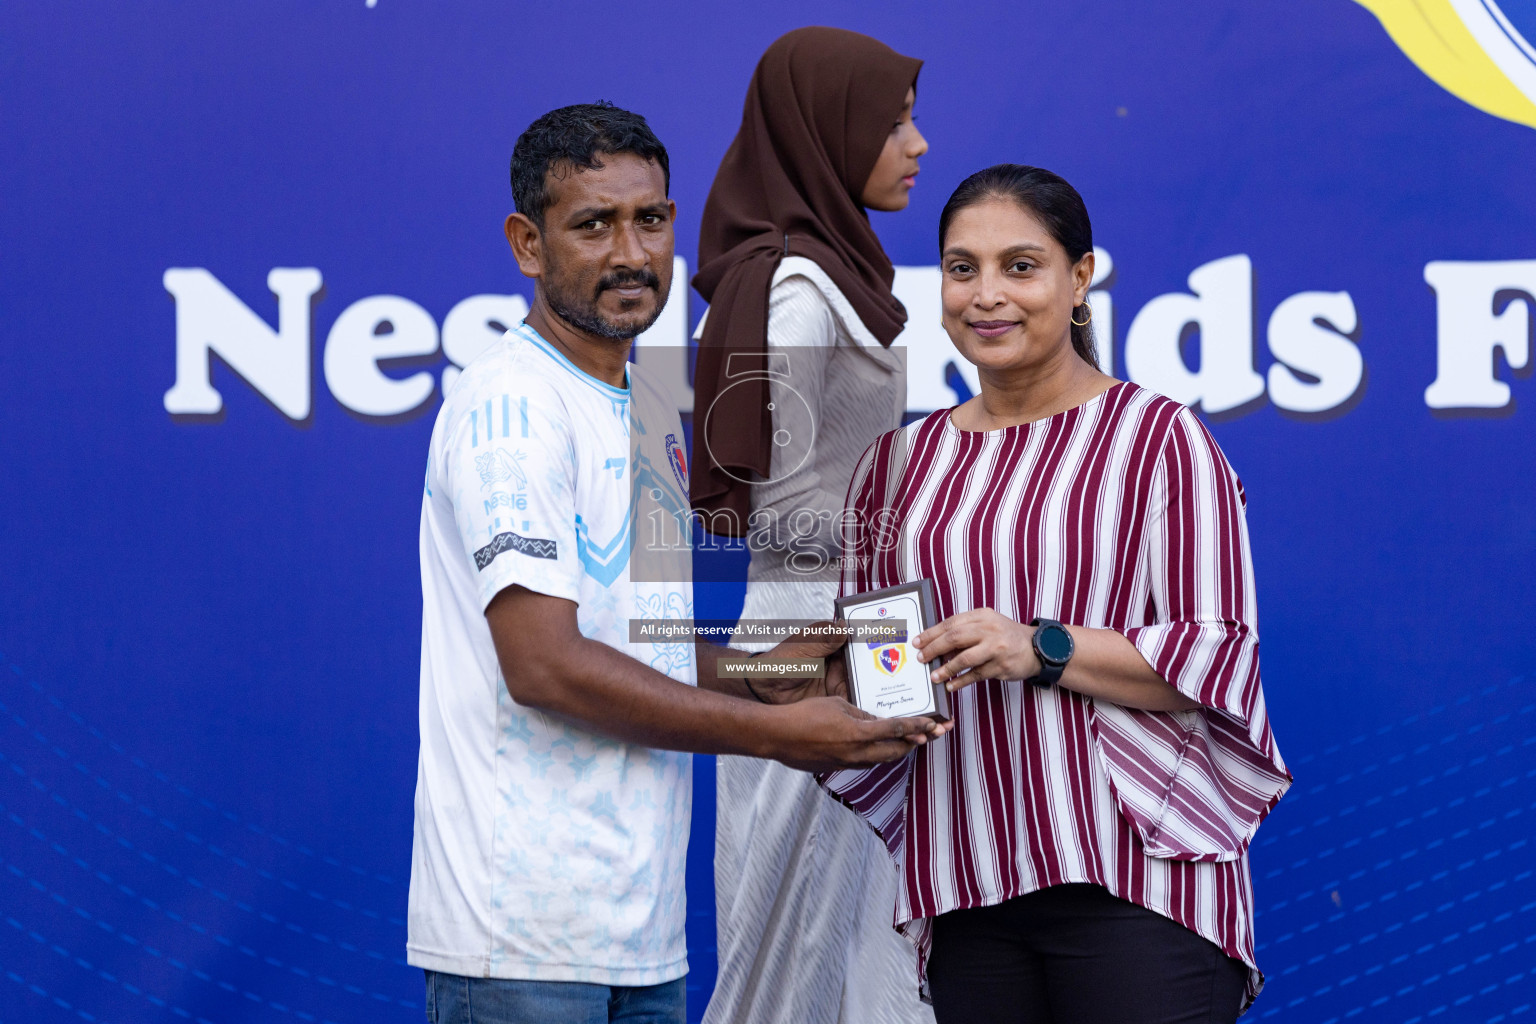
(584, 316)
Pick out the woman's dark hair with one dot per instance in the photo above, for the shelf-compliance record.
(577, 135)
(1054, 203)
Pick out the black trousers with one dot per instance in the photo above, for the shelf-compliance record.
(1074, 954)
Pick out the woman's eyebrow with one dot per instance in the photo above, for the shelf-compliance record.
(1012, 250)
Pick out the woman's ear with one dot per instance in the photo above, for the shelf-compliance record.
(1082, 278)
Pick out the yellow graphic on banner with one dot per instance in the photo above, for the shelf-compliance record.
(1470, 48)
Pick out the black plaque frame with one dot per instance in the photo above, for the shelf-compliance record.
(923, 591)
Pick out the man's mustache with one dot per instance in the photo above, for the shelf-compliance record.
(628, 278)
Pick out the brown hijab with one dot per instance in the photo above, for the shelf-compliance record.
(818, 111)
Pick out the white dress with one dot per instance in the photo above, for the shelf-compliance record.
(805, 893)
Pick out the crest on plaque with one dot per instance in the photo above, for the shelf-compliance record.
(890, 658)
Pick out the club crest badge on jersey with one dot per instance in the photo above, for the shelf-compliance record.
(678, 461)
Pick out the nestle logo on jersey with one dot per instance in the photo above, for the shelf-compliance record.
(533, 547)
(516, 502)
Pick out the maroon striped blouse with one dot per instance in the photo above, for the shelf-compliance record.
(1119, 514)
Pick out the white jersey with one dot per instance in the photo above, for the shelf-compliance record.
(543, 851)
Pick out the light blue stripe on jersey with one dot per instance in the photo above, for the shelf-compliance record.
(528, 334)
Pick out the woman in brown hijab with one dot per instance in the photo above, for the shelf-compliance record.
(795, 379)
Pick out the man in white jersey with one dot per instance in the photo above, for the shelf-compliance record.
(553, 788)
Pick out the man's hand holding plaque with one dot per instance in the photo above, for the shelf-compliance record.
(817, 641)
(885, 676)
(822, 697)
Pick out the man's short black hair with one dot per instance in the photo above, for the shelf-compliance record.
(577, 135)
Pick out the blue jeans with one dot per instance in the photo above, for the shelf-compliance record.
(455, 1000)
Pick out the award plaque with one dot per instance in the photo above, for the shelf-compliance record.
(885, 678)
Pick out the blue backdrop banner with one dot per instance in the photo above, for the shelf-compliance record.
(246, 247)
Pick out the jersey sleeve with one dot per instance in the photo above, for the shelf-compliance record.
(1196, 784)
(509, 462)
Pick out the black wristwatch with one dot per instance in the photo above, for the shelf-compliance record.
(1053, 646)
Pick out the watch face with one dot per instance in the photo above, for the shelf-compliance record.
(1055, 644)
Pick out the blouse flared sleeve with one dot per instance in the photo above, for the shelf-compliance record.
(878, 794)
(1196, 784)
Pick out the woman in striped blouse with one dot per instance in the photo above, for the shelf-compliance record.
(1075, 850)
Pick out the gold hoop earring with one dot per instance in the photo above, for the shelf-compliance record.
(1084, 323)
